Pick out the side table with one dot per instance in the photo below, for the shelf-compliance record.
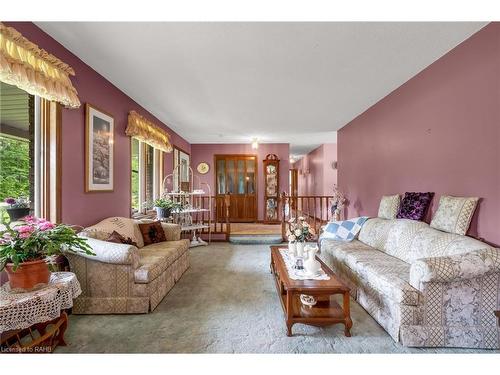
(35, 321)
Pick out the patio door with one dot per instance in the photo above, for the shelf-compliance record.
(236, 175)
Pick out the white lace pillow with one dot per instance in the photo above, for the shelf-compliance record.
(389, 206)
(454, 214)
(128, 228)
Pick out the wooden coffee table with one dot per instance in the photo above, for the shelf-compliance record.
(325, 312)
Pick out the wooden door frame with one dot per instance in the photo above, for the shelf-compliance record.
(256, 182)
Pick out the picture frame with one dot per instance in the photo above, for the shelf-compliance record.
(99, 150)
(181, 175)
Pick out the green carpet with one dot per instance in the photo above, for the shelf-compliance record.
(226, 303)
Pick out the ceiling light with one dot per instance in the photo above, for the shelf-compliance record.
(255, 144)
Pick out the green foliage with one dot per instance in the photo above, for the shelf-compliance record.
(165, 203)
(14, 168)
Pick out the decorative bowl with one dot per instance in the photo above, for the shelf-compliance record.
(308, 300)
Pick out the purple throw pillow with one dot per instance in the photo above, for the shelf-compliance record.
(414, 206)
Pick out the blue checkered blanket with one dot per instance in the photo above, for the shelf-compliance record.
(345, 230)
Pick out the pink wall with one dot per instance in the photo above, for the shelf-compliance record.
(79, 207)
(321, 176)
(439, 132)
(206, 152)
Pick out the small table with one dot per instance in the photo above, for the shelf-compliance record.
(325, 312)
(35, 321)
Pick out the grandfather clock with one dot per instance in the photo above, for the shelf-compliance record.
(271, 188)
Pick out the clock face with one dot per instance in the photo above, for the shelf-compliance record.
(203, 168)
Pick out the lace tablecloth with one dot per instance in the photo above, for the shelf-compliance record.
(19, 310)
(297, 274)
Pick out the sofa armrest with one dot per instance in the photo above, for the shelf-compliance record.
(110, 252)
(451, 268)
(172, 231)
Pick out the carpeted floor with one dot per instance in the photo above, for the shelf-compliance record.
(225, 303)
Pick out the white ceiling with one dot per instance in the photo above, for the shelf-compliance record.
(295, 83)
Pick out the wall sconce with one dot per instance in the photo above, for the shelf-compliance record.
(255, 144)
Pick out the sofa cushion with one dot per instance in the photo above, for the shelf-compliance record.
(401, 236)
(157, 257)
(454, 214)
(374, 232)
(389, 206)
(414, 206)
(384, 273)
(127, 227)
(152, 232)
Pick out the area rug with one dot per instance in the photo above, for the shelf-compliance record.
(226, 302)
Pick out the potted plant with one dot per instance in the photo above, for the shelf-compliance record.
(164, 207)
(298, 232)
(28, 250)
(18, 208)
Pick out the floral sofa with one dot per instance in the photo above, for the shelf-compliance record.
(425, 287)
(121, 278)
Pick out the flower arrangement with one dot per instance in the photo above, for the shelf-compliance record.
(338, 202)
(299, 230)
(37, 239)
(20, 202)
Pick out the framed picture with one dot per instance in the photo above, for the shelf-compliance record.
(99, 150)
(181, 178)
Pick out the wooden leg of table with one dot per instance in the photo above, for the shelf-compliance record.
(289, 313)
(62, 329)
(347, 314)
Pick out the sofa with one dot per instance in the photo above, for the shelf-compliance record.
(425, 287)
(127, 279)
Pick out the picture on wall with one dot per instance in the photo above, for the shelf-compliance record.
(99, 137)
(181, 173)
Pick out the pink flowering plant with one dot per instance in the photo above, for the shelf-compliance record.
(38, 239)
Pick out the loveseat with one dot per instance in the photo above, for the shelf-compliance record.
(425, 287)
(123, 278)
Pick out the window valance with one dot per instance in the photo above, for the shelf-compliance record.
(146, 131)
(25, 65)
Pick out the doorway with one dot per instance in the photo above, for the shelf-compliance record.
(236, 176)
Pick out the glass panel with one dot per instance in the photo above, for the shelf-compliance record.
(149, 172)
(230, 176)
(271, 209)
(271, 181)
(250, 176)
(241, 176)
(134, 166)
(221, 177)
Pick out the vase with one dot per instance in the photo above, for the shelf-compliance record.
(292, 248)
(162, 213)
(300, 249)
(18, 213)
(311, 265)
(28, 274)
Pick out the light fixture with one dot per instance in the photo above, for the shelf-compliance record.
(255, 143)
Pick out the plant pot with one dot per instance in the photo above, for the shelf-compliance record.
(28, 274)
(163, 213)
(18, 213)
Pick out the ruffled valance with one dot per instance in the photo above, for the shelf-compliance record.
(32, 69)
(144, 130)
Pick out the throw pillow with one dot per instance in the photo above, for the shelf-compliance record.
(125, 226)
(389, 206)
(414, 206)
(118, 238)
(345, 230)
(454, 214)
(152, 233)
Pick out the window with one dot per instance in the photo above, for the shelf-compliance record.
(30, 151)
(146, 175)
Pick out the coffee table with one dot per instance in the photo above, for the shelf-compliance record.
(325, 312)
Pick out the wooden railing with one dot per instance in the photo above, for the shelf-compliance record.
(219, 220)
(315, 209)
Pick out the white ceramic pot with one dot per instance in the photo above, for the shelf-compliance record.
(311, 265)
(292, 248)
(300, 249)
